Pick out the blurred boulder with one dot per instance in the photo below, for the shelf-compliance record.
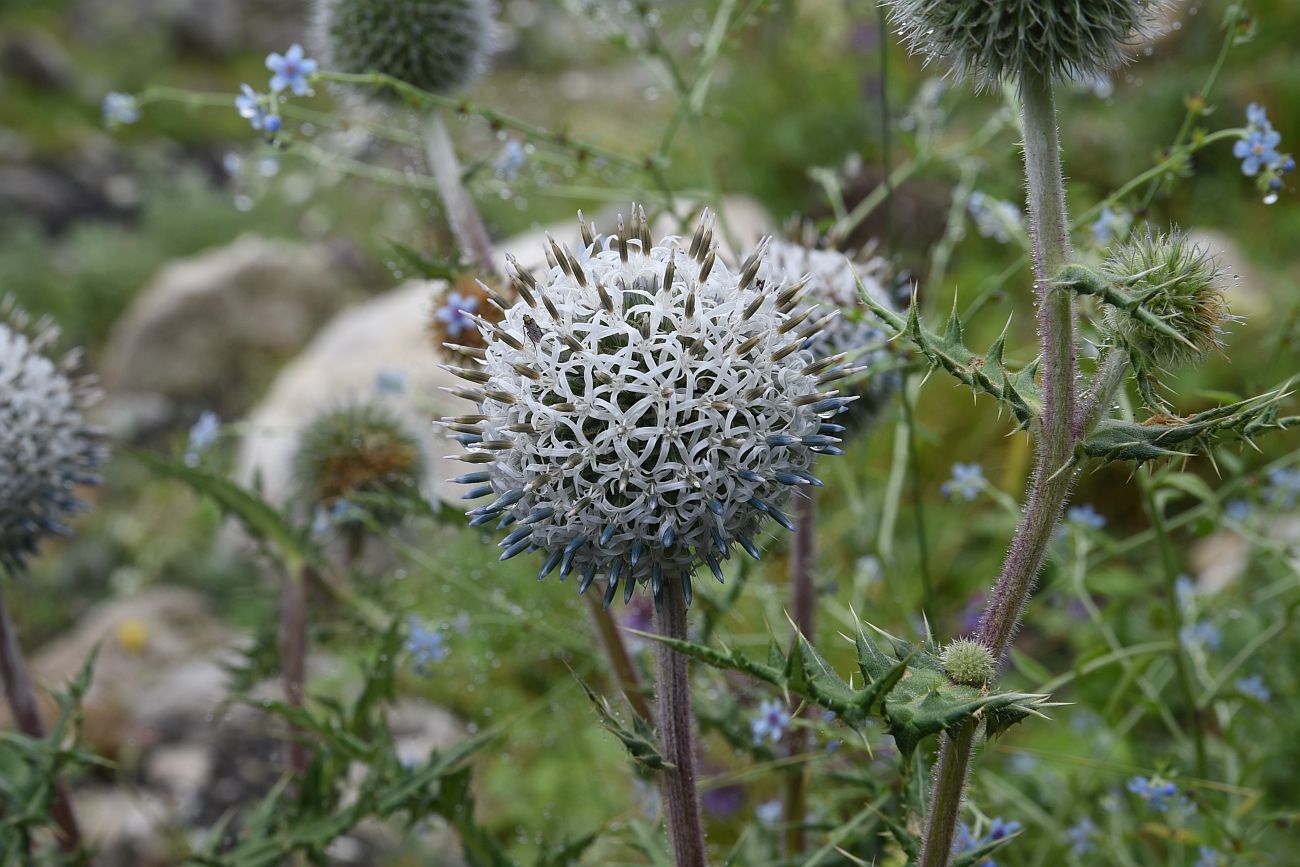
(202, 329)
(36, 59)
(1250, 290)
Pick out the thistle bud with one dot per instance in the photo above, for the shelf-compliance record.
(46, 447)
(441, 46)
(358, 456)
(991, 42)
(1180, 285)
(646, 410)
(968, 662)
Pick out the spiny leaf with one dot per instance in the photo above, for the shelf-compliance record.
(640, 740)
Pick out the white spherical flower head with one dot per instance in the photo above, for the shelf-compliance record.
(832, 283)
(46, 448)
(642, 408)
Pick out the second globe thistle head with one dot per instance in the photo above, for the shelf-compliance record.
(991, 41)
(47, 448)
(359, 457)
(441, 46)
(1178, 281)
(833, 281)
(643, 408)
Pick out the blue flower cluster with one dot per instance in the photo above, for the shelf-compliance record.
(967, 482)
(1258, 152)
(1158, 794)
(998, 830)
(291, 71)
(770, 723)
(425, 645)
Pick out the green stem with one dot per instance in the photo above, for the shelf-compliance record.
(1053, 475)
(293, 656)
(1108, 379)
(620, 661)
(1169, 563)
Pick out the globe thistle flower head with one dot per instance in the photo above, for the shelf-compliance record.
(643, 408)
(358, 457)
(830, 280)
(991, 42)
(46, 447)
(1178, 281)
(441, 46)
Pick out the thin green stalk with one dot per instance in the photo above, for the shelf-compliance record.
(918, 502)
(1053, 475)
(1169, 563)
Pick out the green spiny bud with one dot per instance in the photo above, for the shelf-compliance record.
(441, 46)
(994, 40)
(358, 456)
(968, 662)
(1181, 285)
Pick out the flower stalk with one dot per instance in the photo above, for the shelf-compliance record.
(680, 799)
(462, 214)
(293, 656)
(27, 716)
(1053, 475)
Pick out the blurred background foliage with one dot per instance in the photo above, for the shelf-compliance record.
(88, 216)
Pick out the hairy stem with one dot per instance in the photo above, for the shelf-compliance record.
(293, 656)
(462, 214)
(1054, 449)
(803, 611)
(620, 661)
(681, 802)
(1101, 394)
(27, 716)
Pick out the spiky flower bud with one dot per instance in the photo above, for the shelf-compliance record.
(991, 41)
(1179, 283)
(46, 446)
(441, 46)
(828, 281)
(642, 409)
(358, 457)
(968, 662)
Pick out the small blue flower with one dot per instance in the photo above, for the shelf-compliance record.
(770, 722)
(250, 108)
(769, 812)
(1185, 590)
(1238, 510)
(511, 161)
(426, 645)
(1108, 225)
(1258, 150)
(203, 435)
(1208, 857)
(1257, 115)
(1085, 517)
(833, 746)
(1080, 835)
(1255, 688)
(291, 70)
(967, 482)
(1202, 634)
(453, 310)
(1158, 794)
(1283, 491)
(390, 381)
(995, 218)
(120, 108)
(1000, 830)
(965, 840)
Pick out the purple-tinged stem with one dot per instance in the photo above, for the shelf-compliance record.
(1053, 473)
(680, 799)
(27, 715)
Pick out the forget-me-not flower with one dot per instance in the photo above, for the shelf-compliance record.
(202, 436)
(453, 312)
(1108, 225)
(771, 721)
(291, 70)
(510, 161)
(1080, 835)
(1283, 489)
(769, 812)
(426, 645)
(120, 108)
(1085, 517)
(250, 108)
(995, 218)
(967, 482)
(1203, 634)
(1159, 794)
(1254, 687)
